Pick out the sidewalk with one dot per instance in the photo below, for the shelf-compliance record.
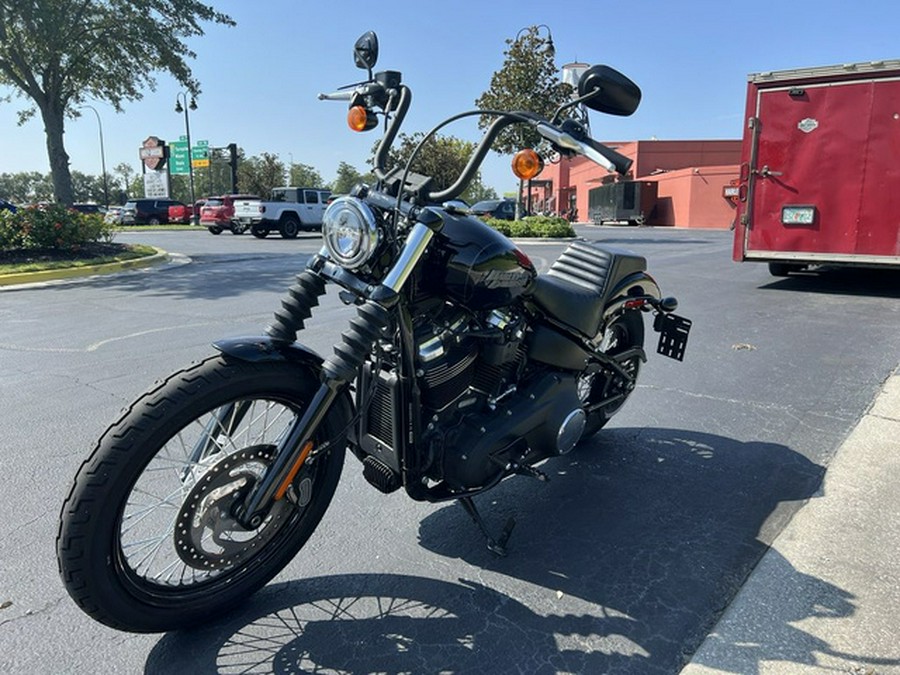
(826, 596)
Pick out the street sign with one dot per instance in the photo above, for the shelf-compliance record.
(200, 163)
(178, 158)
(199, 152)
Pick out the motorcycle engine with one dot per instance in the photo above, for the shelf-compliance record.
(458, 353)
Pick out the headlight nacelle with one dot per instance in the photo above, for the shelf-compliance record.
(350, 232)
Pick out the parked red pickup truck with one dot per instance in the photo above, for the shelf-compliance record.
(185, 215)
(217, 214)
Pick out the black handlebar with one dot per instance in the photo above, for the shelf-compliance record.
(375, 93)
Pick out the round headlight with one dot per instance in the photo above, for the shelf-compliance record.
(349, 232)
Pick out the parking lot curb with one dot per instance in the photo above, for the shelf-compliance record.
(85, 271)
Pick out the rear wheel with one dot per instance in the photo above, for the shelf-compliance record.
(289, 227)
(148, 540)
(604, 392)
(259, 231)
(214, 229)
(783, 269)
(238, 228)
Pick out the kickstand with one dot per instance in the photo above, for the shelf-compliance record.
(495, 546)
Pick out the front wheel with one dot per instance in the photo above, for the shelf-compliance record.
(604, 392)
(148, 540)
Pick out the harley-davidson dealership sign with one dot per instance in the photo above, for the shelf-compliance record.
(153, 153)
(156, 178)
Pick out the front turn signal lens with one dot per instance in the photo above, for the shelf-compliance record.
(527, 164)
(361, 119)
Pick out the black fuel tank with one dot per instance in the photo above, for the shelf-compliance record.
(475, 265)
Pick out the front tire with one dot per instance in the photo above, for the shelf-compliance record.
(624, 334)
(147, 540)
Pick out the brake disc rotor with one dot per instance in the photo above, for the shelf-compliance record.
(207, 535)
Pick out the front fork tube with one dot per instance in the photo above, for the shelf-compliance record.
(286, 464)
(338, 371)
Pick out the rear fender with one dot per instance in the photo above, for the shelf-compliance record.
(629, 289)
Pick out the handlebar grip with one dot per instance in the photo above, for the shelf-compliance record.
(336, 96)
(621, 162)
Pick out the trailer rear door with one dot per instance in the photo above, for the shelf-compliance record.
(825, 172)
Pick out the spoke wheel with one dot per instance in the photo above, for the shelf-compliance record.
(624, 334)
(148, 538)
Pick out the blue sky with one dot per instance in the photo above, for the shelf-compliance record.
(260, 78)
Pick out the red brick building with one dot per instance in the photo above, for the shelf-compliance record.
(691, 177)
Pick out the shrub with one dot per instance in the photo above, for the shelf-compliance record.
(533, 227)
(51, 227)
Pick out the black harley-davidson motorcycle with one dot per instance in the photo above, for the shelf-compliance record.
(462, 367)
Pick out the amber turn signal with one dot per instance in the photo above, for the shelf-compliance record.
(527, 164)
(361, 119)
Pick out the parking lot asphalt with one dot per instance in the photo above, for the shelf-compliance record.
(824, 595)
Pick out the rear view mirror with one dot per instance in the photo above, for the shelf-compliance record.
(365, 51)
(608, 91)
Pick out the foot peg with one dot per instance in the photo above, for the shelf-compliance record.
(495, 546)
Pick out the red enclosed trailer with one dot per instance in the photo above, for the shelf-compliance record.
(820, 168)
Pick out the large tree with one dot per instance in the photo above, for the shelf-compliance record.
(528, 80)
(304, 175)
(348, 177)
(60, 53)
(441, 157)
(258, 175)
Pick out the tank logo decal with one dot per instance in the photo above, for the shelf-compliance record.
(808, 125)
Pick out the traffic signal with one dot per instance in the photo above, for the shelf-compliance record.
(233, 163)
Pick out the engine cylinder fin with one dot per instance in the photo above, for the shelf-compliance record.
(296, 306)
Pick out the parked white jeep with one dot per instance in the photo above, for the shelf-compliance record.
(290, 210)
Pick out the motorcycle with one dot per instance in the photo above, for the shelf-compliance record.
(462, 367)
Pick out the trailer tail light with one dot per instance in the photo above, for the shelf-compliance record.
(798, 215)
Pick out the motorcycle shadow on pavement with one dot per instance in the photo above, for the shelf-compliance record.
(622, 563)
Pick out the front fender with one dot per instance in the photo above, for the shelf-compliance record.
(261, 348)
(258, 348)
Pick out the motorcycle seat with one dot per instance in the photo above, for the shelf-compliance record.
(574, 291)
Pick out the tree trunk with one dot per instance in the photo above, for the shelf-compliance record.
(56, 152)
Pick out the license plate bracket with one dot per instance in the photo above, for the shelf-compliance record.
(673, 335)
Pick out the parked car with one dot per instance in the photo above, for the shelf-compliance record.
(148, 211)
(182, 214)
(113, 215)
(89, 208)
(8, 206)
(217, 214)
(504, 209)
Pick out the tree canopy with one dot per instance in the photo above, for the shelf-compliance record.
(61, 53)
(348, 177)
(528, 80)
(442, 157)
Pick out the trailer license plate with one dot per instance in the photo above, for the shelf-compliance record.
(798, 215)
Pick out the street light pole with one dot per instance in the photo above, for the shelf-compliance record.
(551, 50)
(182, 97)
(102, 155)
